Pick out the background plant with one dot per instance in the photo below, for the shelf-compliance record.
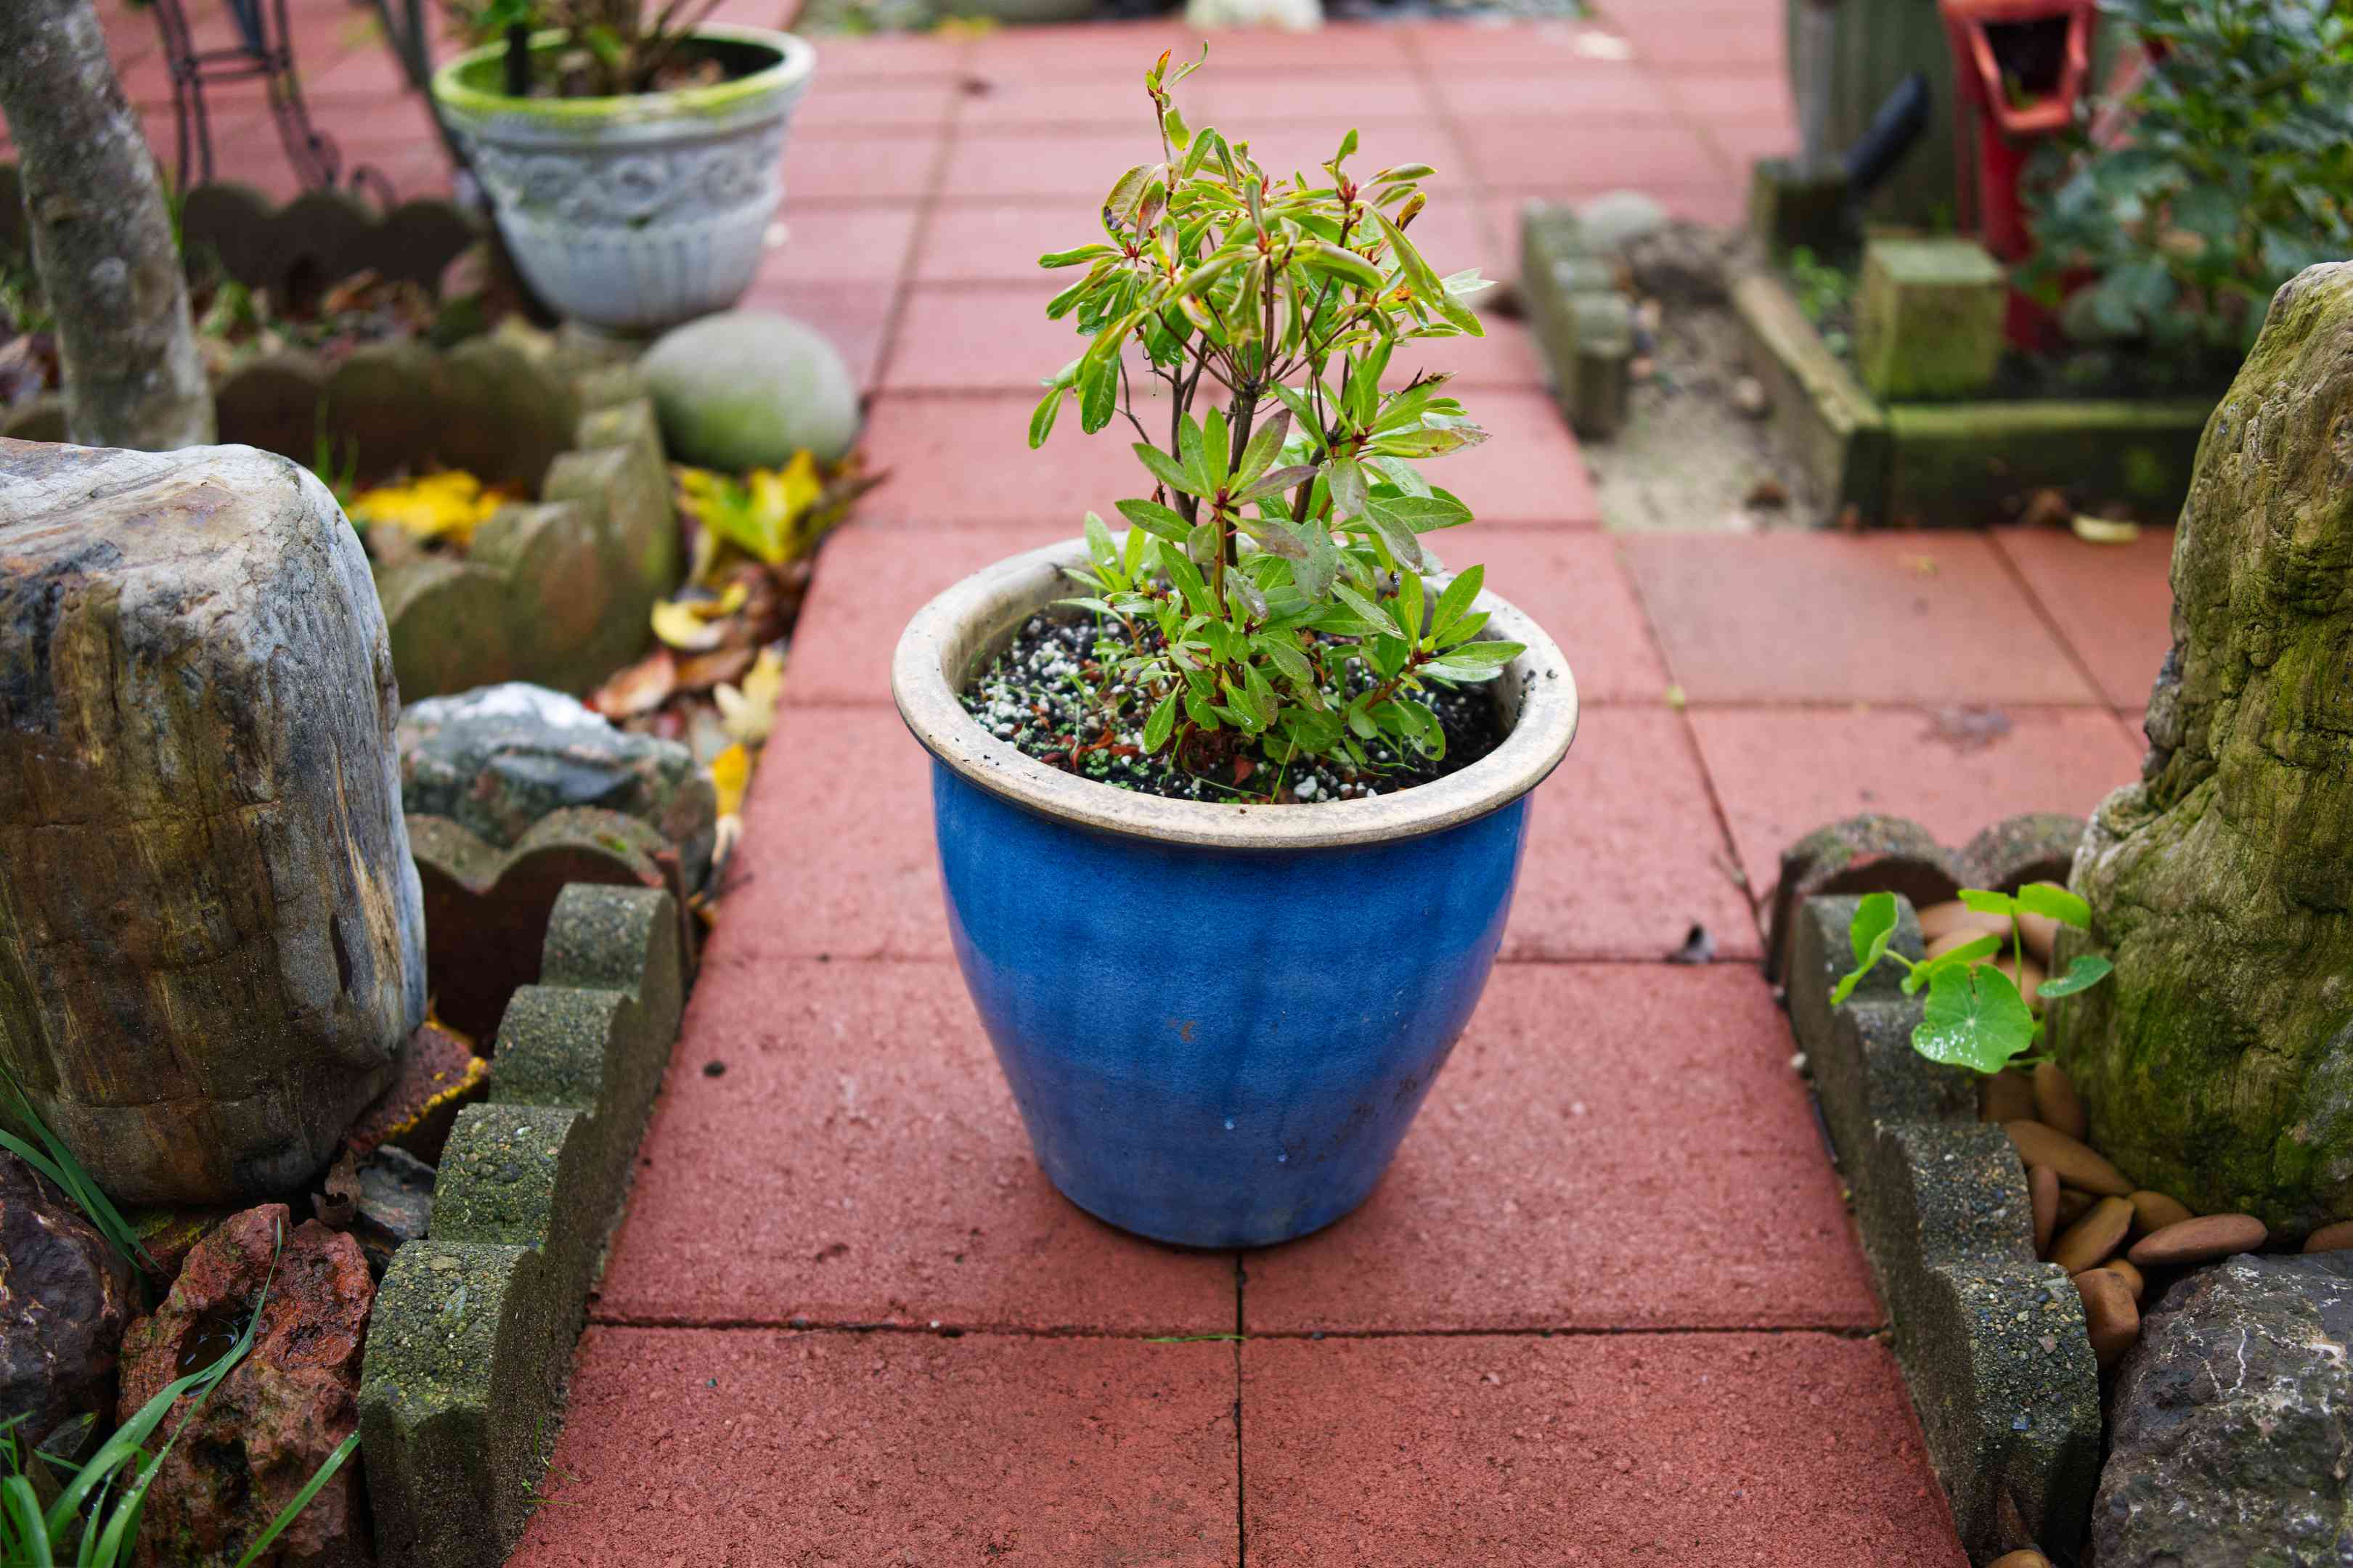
(609, 47)
(2237, 174)
(1283, 535)
(1974, 1016)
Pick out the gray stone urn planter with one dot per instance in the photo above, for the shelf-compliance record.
(631, 214)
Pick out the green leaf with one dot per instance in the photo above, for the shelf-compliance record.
(1987, 902)
(1344, 265)
(1456, 599)
(1072, 258)
(1372, 615)
(1406, 608)
(1163, 468)
(1127, 194)
(1156, 520)
(1100, 547)
(300, 1501)
(1418, 514)
(2055, 902)
(1867, 935)
(1347, 478)
(1969, 952)
(2083, 975)
(1157, 728)
(1264, 443)
(1975, 1018)
(1098, 392)
(1042, 420)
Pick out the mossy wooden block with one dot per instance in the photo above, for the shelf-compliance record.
(1960, 463)
(460, 1399)
(1790, 207)
(1823, 415)
(1928, 318)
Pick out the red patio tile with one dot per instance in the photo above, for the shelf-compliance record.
(740, 1450)
(1625, 854)
(869, 583)
(883, 57)
(1528, 470)
(1240, 103)
(1001, 242)
(993, 337)
(1743, 141)
(1594, 90)
(916, 102)
(1287, 147)
(1781, 773)
(995, 166)
(854, 317)
(1582, 156)
(1575, 584)
(848, 801)
(1681, 1449)
(1465, 46)
(1507, 357)
(2113, 604)
(861, 1161)
(1711, 47)
(1827, 617)
(1611, 1146)
(1717, 95)
(964, 461)
(1005, 98)
(840, 245)
(871, 166)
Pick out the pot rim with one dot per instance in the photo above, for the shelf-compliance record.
(989, 602)
(797, 60)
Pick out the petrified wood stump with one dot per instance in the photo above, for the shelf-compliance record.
(211, 935)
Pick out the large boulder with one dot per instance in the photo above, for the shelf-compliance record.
(497, 760)
(279, 1414)
(2229, 1439)
(211, 935)
(65, 1298)
(747, 389)
(2218, 1066)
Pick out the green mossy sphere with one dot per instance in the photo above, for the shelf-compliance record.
(746, 389)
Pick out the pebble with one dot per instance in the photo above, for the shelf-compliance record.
(2153, 1212)
(2330, 1237)
(2078, 1164)
(2109, 1314)
(2042, 1188)
(2074, 1205)
(2090, 1240)
(2007, 1096)
(1940, 920)
(2056, 1103)
(1748, 396)
(2122, 1269)
(2201, 1240)
(2026, 1557)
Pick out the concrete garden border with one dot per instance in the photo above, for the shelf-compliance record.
(1992, 1341)
(463, 1386)
(1950, 464)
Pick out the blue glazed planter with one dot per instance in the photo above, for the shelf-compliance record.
(1260, 1093)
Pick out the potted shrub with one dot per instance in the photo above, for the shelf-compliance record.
(633, 161)
(1230, 808)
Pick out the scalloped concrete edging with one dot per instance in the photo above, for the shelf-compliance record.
(468, 1353)
(1991, 1341)
(1582, 322)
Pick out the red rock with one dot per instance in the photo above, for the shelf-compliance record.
(439, 1076)
(66, 1297)
(277, 1416)
(2330, 1237)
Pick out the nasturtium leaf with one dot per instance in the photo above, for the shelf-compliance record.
(1970, 952)
(1987, 902)
(1867, 935)
(2057, 902)
(1974, 1019)
(2087, 971)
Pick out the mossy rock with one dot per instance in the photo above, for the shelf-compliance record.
(747, 389)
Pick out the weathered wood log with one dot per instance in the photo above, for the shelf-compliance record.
(2217, 1065)
(211, 935)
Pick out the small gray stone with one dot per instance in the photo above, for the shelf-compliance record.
(1615, 219)
(499, 759)
(746, 389)
(2229, 1443)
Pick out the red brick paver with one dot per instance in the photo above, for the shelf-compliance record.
(1614, 1303)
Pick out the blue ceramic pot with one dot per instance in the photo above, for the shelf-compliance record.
(1241, 1089)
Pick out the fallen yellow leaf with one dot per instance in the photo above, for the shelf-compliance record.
(731, 774)
(749, 711)
(440, 506)
(682, 626)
